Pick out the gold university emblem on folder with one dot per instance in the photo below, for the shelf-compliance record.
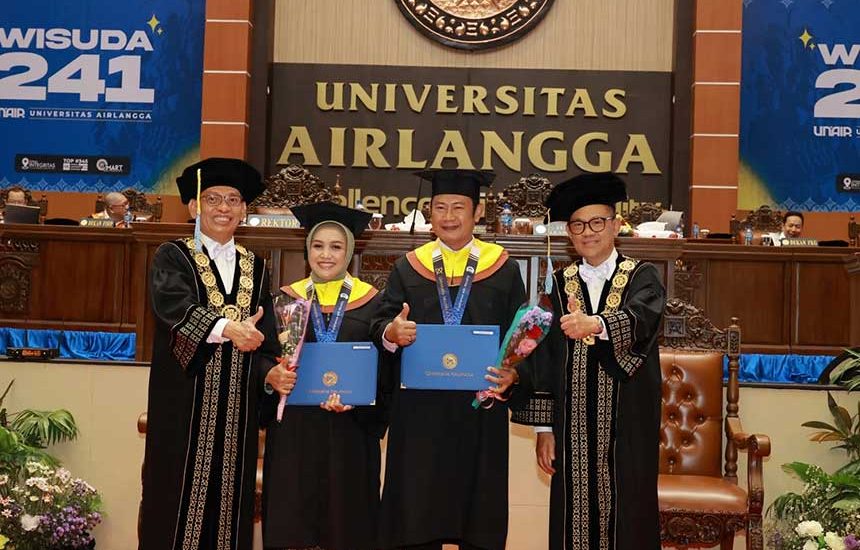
(449, 361)
(329, 378)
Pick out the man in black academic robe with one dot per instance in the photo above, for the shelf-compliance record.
(215, 344)
(446, 474)
(595, 381)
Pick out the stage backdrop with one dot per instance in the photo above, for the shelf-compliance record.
(800, 105)
(376, 125)
(99, 95)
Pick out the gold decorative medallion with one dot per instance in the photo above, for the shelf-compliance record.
(201, 259)
(627, 265)
(449, 361)
(474, 24)
(216, 299)
(329, 379)
(246, 282)
(208, 278)
(619, 281)
(243, 299)
(613, 300)
(231, 312)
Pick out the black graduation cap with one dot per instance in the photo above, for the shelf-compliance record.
(221, 171)
(309, 215)
(569, 196)
(458, 182)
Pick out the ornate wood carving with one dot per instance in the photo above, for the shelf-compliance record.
(763, 219)
(682, 528)
(290, 186)
(643, 212)
(688, 280)
(375, 268)
(686, 327)
(853, 232)
(14, 286)
(526, 197)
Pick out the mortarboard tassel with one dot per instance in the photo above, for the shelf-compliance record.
(198, 242)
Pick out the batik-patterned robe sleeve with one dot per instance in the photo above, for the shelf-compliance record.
(175, 302)
(534, 400)
(633, 328)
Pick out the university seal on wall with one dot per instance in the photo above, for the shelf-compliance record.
(474, 24)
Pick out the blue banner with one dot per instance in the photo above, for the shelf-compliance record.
(100, 95)
(800, 105)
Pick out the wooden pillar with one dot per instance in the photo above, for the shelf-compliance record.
(226, 78)
(715, 113)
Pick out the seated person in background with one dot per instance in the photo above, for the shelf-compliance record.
(792, 226)
(116, 205)
(15, 195)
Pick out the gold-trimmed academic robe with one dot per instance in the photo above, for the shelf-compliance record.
(603, 404)
(204, 401)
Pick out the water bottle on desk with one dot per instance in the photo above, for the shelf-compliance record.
(748, 235)
(127, 217)
(695, 230)
(679, 232)
(506, 219)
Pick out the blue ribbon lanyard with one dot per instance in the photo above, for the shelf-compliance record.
(329, 334)
(453, 315)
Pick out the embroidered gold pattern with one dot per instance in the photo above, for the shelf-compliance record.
(539, 411)
(191, 333)
(578, 535)
(203, 454)
(206, 434)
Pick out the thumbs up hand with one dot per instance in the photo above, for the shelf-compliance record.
(401, 330)
(245, 335)
(576, 325)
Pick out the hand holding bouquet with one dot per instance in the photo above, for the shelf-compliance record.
(292, 315)
(529, 327)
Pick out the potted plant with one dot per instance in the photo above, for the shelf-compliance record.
(42, 506)
(826, 513)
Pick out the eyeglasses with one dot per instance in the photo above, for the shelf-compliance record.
(597, 225)
(215, 200)
(120, 206)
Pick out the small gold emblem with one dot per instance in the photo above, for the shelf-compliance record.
(216, 299)
(613, 300)
(246, 282)
(201, 259)
(208, 278)
(619, 280)
(329, 379)
(243, 299)
(627, 265)
(245, 264)
(449, 361)
(241, 249)
(231, 312)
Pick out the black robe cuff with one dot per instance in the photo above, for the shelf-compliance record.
(616, 355)
(539, 410)
(189, 344)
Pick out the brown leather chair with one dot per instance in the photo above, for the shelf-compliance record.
(762, 221)
(635, 213)
(700, 501)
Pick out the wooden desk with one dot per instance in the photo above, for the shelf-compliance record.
(789, 300)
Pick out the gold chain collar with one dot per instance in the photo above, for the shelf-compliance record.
(613, 299)
(246, 282)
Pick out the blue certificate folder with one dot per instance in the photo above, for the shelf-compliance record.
(348, 368)
(449, 357)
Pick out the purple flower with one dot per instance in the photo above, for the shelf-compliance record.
(852, 543)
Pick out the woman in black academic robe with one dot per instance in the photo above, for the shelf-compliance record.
(322, 464)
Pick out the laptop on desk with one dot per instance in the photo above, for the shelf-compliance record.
(16, 213)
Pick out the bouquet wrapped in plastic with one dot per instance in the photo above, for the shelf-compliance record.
(528, 328)
(292, 314)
